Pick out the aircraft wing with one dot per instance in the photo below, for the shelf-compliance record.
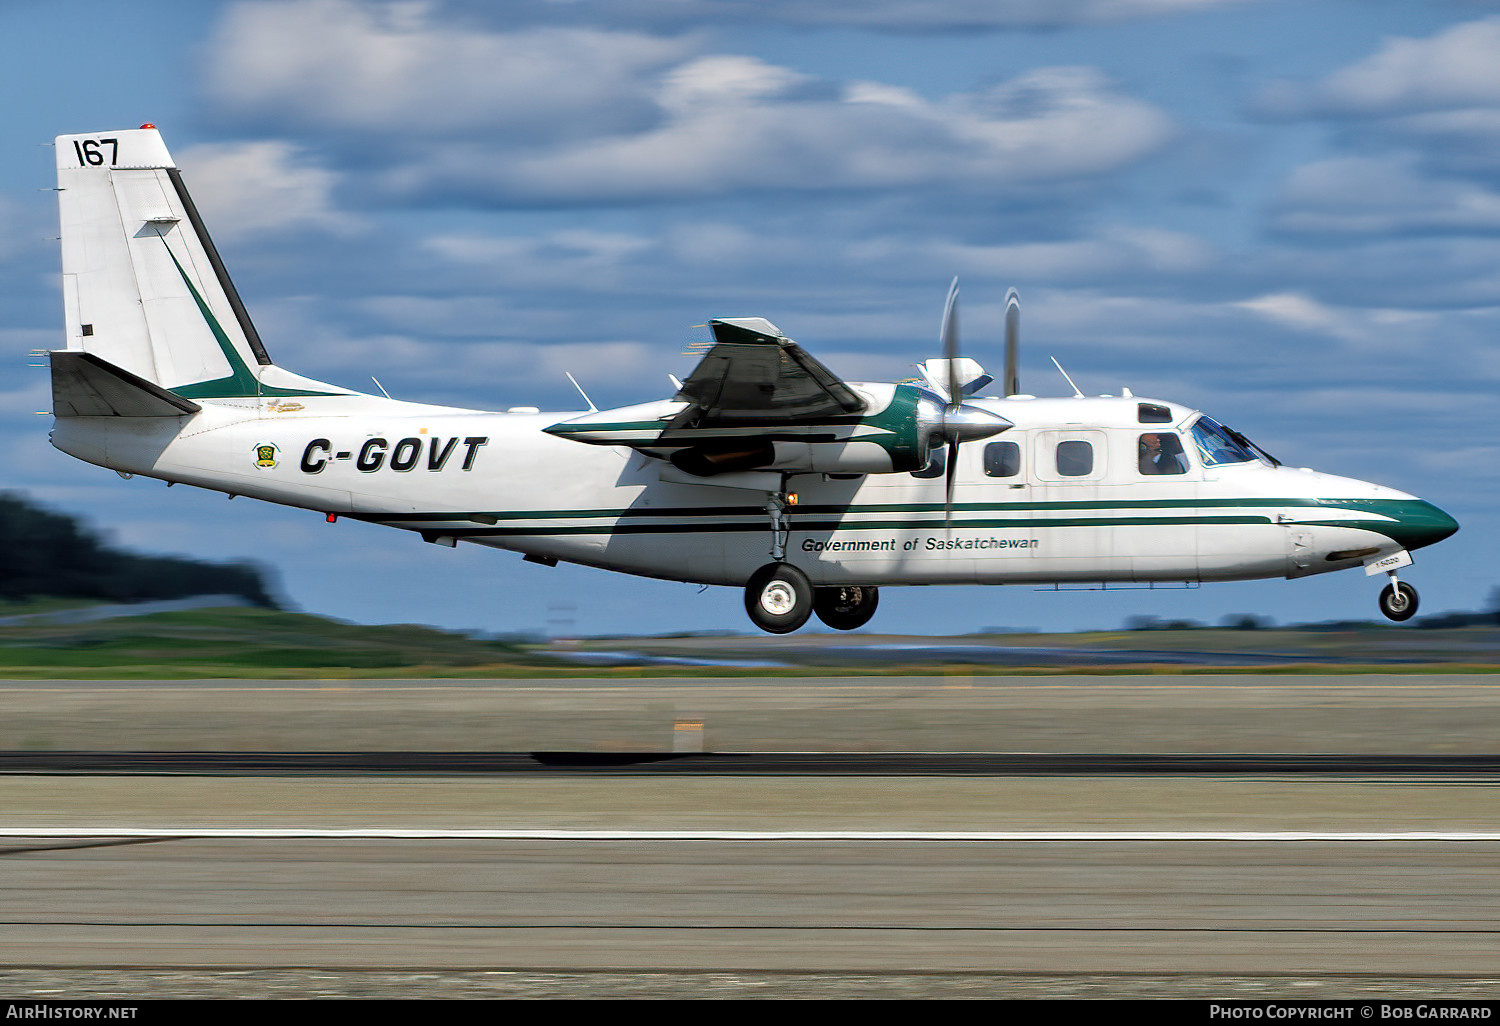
(753, 388)
(754, 373)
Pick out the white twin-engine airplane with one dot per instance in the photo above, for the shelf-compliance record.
(764, 471)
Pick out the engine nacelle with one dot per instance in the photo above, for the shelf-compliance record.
(894, 439)
(834, 458)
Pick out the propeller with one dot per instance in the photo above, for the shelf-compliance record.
(1012, 343)
(957, 422)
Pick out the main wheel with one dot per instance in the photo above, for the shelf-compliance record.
(845, 609)
(778, 598)
(1398, 601)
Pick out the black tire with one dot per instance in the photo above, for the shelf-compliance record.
(778, 598)
(1398, 607)
(847, 608)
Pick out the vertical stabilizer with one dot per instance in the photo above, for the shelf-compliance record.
(143, 286)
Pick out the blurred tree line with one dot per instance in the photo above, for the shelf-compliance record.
(1489, 616)
(50, 554)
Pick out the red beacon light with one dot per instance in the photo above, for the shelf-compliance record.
(148, 125)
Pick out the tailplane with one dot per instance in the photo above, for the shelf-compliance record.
(85, 385)
(144, 289)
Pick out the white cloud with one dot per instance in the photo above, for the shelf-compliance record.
(915, 15)
(741, 125)
(577, 258)
(1437, 96)
(724, 80)
(1456, 68)
(1371, 328)
(261, 188)
(395, 69)
(1114, 250)
(432, 108)
(1381, 195)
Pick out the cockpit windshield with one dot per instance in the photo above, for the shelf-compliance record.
(1218, 445)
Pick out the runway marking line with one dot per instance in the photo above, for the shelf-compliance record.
(480, 834)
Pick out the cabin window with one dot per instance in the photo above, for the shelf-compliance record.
(1002, 459)
(937, 463)
(1075, 459)
(1150, 413)
(1160, 452)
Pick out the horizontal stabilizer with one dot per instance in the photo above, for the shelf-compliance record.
(85, 385)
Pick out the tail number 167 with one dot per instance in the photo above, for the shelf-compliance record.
(90, 150)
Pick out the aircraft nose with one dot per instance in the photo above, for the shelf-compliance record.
(1422, 523)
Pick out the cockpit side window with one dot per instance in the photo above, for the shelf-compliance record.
(1216, 444)
(1160, 452)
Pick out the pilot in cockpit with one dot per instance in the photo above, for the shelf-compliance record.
(1161, 453)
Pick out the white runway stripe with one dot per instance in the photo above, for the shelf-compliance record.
(755, 835)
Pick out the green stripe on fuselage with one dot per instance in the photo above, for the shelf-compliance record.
(832, 526)
(1405, 521)
(901, 507)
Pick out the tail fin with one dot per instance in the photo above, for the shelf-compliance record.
(143, 286)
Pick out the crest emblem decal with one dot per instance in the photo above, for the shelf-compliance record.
(265, 456)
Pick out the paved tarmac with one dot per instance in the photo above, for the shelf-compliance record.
(685, 918)
(1439, 714)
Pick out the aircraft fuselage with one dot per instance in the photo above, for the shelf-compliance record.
(499, 479)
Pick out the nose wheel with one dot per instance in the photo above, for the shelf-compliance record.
(845, 609)
(778, 598)
(1398, 601)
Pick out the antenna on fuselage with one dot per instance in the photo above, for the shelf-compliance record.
(380, 386)
(1076, 393)
(592, 407)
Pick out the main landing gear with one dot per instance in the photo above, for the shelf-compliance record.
(1398, 601)
(847, 608)
(780, 599)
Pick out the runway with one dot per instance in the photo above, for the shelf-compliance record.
(1223, 870)
(1155, 714)
(1300, 909)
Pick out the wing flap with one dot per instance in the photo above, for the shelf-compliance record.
(753, 372)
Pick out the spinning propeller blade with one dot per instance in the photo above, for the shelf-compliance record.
(1012, 381)
(950, 341)
(949, 478)
(959, 422)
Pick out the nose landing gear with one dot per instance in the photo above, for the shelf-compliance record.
(1398, 601)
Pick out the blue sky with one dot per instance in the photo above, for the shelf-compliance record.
(1283, 212)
